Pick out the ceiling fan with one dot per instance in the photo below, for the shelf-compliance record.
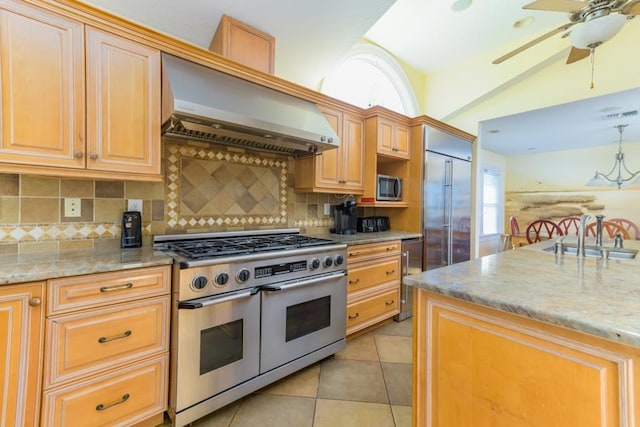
(596, 21)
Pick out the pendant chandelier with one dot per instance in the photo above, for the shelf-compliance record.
(615, 176)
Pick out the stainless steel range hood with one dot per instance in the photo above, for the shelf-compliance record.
(204, 104)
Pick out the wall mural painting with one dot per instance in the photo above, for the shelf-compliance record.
(529, 206)
(209, 188)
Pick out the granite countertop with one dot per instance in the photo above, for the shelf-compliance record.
(44, 265)
(362, 238)
(589, 295)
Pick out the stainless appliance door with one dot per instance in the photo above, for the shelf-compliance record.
(299, 317)
(460, 224)
(218, 344)
(436, 211)
(411, 264)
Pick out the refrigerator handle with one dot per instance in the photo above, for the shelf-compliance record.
(448, 205)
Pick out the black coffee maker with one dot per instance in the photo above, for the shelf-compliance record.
(345, 218)
(131, 230)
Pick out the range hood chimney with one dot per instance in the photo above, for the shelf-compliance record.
(204, 104)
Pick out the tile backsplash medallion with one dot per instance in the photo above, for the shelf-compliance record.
(206, 188)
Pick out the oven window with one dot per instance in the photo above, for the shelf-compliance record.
(308, 317)
(220, 346)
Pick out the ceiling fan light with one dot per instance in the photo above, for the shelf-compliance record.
(592, 33)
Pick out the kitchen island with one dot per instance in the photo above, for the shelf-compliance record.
(528, 338)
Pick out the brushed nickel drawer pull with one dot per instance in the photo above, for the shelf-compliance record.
(115, 337)
(103, 406)
(353, 282)
(390, 302)
(389, 272)
(35, 301)
(353, 316)
(116, 287)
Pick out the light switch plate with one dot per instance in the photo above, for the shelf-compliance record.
(135, 205)
(72, 207)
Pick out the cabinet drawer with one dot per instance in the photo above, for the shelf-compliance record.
(96, 340)
(369, 274)
(95, 290)
(372, 250)
(135, 393)
(373, 309)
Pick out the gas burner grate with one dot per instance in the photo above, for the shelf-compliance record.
(241, 245)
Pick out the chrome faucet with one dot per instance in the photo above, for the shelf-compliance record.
(599, 219)
(582, 234)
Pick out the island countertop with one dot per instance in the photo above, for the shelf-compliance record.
(589, 295)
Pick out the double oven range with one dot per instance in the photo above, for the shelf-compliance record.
(249, 308)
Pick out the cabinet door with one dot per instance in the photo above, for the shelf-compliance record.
(21, 326)
(42, 88)
(352, 161)
(123, 105)
(401, 141)
(327, 164)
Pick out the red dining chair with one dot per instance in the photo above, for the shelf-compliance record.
(517, 238)
(569, 225)
(513, 223)
(630, 226)
(542, 229)
(608, 227)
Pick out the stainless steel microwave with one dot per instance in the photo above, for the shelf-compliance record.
(389, 188)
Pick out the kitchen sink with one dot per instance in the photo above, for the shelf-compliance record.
(596, 251)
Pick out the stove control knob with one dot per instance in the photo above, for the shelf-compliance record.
(339, 260)
(243, 275)
(328, 261)
(199, 282)
(221, 279)
(315, 263)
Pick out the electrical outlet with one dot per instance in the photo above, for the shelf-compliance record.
(72, 207)
(135, 205)
(327, 209)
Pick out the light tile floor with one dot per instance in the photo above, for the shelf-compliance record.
(366, 384)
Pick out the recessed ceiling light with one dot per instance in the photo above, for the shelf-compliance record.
(494, 131)
(460, 5)
(521, 23)
(531, 149)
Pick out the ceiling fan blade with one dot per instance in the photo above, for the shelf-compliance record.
(632, 8)
(533, 42)
(577, 54)
(556, 5)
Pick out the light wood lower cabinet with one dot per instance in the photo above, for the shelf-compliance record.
(373, 284)
(107, 348)
(21, 339)
(475, 366)
(125, 397)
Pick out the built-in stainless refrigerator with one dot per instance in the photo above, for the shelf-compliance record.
(446, 199)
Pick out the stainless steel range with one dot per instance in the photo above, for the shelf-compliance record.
(249, 308)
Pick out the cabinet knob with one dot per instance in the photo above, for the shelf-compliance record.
(78, 154)
(93, 156)
(35, 302)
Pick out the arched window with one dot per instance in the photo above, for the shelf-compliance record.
(370, 76)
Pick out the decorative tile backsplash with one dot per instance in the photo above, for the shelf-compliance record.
(209, 188)
(206, 188)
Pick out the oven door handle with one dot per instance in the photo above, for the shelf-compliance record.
(192, 305)
(295, 284)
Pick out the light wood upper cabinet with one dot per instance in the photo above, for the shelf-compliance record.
(76, 101)
(21, 338)
(338, 170)
(244, 44)
(42, 92)
(123, 108)
(392, 138)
